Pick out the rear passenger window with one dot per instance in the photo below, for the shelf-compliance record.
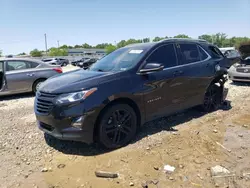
(164, 55)
(189, 53)
(203, 54)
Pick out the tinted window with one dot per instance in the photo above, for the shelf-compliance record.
(1, 67)
(164, 55)
(203, 54)
(16, 65)
(189, 53)
(215, 52)
(119, 60)
(32, 64)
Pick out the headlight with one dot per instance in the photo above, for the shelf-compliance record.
(73, 97)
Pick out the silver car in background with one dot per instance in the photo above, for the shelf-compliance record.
(56, 61)
(20, 75)
(240, 72)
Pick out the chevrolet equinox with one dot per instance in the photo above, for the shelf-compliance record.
(109, 101)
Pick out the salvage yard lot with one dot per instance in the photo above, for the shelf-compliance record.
(191, 141)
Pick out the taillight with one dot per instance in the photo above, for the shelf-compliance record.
(59, 70)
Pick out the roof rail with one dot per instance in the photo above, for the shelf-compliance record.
(183, 39)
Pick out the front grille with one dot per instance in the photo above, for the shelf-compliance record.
(241, 78)
(44, 102)
(244, 70)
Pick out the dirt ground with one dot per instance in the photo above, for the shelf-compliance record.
(192, 142)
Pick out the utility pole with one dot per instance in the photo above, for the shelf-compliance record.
(58, 43)
(46, 47)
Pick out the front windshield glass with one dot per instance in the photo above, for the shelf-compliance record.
(119, 60)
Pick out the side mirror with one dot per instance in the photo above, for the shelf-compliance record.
(151, 67)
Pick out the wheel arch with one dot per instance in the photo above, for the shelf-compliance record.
(121, 100)
(38, 79)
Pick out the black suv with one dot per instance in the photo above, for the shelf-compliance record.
(109, 101)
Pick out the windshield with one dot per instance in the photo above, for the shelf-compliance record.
(119, 60)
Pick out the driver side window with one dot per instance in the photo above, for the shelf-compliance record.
(16, 65)
(164, 55)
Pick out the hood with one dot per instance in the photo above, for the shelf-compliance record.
(72, 81)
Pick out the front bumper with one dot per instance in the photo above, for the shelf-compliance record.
(238, 76)
(72, 122)
(63, 131)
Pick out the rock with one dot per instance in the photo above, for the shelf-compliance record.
(27, 163)
(185, 178)
(181, 166)
(197, 161)
(26, 176)
(171, 178)
(103, 174)
(240, 135)
(44, 170)
(155, 181)
(156, 167)
(245, 126)
(131, 184)
(200, 176)
(61, 166)
(147, 148)
(169, 169)
(215, 131)
(144, 184)
(219, 170)
(240, 157)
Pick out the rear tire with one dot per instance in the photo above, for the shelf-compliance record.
(117, 126)
(213, 98)
(37, 84)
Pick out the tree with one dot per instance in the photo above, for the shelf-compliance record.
(156, 39)
(22, 53)
(36, 53)
(1, 53)
(102, 46)
(85, 45)
(206, 37)
(121, 44)
(77, 46)
(110, 48)
(64, 46)
(57, 52)
(145, 40)
(181, 36)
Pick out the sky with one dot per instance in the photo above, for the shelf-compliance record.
(23, 23)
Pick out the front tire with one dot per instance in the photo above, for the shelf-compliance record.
(117, 126)
(37, 84)
(213, 98)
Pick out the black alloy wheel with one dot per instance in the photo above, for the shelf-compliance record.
(212, 99)
(117, 126)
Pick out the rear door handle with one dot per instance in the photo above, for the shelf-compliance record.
(32, 74)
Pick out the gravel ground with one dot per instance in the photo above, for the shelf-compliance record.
(190, 141)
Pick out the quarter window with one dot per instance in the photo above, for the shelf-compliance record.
(215, 52)
(189, 53)
(164, 55)
(203, 54)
